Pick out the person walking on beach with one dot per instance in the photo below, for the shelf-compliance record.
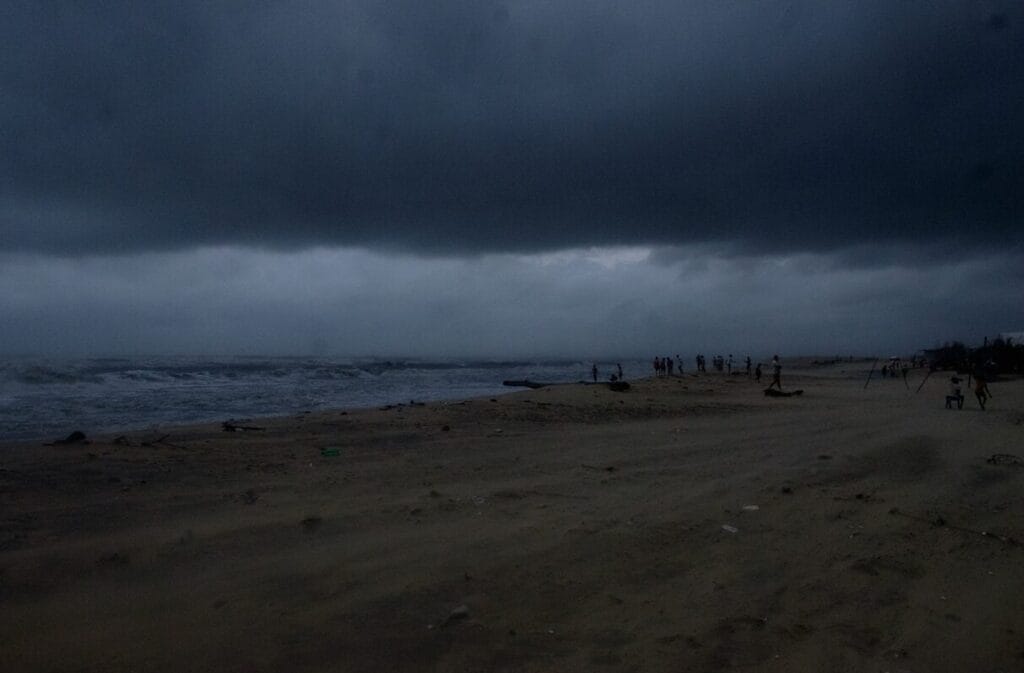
(776, 373)
(981, 390)
(670, 365)
(593, 372)
(748, 366)
(757, 373)
(619, 365)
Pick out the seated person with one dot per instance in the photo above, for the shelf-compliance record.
(954, 394)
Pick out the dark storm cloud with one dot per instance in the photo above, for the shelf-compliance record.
(471, 125)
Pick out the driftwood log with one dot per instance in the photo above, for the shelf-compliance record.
(771, 392)
(231, 426)
(76, 437)
(525, 383)
(617, 386)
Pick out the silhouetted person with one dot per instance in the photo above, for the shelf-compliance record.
(729, 365)
(593, 372)
(757, 373)
(748, 365)
(670, 365)
(620, 370)
(981, 390)
(776, 373)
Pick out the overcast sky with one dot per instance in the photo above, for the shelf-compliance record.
(469, 177)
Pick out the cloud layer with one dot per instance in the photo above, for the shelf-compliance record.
(580, 303)
(471, 126)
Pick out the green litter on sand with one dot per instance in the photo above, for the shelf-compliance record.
(330, 451)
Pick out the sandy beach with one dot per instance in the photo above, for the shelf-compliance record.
(687, 524)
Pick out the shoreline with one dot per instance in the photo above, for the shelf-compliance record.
(46, 402)
(804, 365)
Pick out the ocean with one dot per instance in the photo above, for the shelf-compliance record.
(48, 398)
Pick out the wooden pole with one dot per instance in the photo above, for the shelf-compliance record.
(870, 373)
(923, 382)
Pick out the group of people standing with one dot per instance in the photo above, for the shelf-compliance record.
(667, 366)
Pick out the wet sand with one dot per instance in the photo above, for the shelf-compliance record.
(570, 528)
